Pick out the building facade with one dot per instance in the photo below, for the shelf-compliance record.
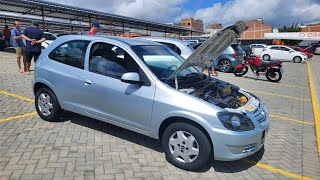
(256, 29)
(213, 28)
(193, 24)
(311, 28)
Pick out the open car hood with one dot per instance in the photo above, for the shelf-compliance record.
(211, 49)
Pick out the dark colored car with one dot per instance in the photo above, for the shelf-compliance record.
(229, 59)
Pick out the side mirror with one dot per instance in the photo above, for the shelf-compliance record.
(131, 78)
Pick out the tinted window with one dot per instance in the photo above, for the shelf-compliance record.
(173, 47)
(236, 47)
(71, 53)
(274, 48)
(259, 46)
(112, 61)
(284, 49)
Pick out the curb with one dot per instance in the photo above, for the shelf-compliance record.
(315, 106)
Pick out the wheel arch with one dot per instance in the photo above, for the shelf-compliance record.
(175, 119)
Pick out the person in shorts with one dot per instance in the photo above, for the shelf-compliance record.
(18, 45)
(34, 37)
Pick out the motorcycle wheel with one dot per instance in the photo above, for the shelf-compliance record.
(240, 72)
(274, 76)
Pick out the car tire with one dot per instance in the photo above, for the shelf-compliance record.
(297, 59)
(266, 57)
(225, 65)
(186, 155)
(47, 105)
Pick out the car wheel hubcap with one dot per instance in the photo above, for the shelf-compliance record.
(296, 59)
(183, 146)
(224, 66)
(45, 104)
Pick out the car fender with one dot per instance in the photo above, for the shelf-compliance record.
(185, 115)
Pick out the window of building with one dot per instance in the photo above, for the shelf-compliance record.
(71, 53)
(188, 24)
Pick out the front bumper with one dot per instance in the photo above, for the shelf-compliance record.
(230, 145)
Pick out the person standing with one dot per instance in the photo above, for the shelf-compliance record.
(34, 37)
(18, 45)
(7, 34)
(95, 27)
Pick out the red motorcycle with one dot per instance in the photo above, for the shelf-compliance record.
(272, 69)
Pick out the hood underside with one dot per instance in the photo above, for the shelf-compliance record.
(213, 47)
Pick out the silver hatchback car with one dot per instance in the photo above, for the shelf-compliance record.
(146, 87)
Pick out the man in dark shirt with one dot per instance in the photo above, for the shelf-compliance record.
(34, 37)
(7, 34)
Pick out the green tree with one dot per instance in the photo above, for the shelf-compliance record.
(293, 28)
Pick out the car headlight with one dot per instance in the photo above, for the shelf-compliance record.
(235, 121)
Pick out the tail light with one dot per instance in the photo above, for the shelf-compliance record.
(235, 55)
(264, 49)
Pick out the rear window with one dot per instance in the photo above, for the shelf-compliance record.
(236, 47)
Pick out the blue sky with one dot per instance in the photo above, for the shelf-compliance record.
(274, 12)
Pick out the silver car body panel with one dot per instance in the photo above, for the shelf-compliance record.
(144, 108)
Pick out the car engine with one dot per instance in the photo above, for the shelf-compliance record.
(222, 95)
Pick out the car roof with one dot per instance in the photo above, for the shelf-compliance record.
(128, 41)
(165, 39)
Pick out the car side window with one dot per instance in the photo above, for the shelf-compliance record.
(173, 47)
(71, 53)
(274, 48)
(112, 61)
(259, 46)
(284, 49)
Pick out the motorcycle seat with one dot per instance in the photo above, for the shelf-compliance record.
(268, 63)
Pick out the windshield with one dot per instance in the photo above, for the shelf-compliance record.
(49, 36)
(162, 61)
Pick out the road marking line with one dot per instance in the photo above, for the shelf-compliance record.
(290, 119)
(315, 106)
(277, 170)
(280, 84)
(16, 96)
(284, 96)
(18, 116)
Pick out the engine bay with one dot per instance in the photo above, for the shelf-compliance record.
(218, 93)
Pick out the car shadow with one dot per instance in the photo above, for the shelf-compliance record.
(111, 130)
(256, 79)
(136, 138)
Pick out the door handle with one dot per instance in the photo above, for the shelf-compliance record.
(87, 82)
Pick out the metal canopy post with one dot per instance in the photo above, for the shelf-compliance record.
(42, 14)
(179, 34)
(122, 28)
(191, 34)
(110, 26)
(165, 32)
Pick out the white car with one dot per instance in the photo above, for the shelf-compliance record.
(278, 52)
(182, 48)
(49, 39)
(257, 49)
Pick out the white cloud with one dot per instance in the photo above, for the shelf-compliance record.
(275, 12)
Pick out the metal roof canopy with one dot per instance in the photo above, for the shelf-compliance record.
(53, 25)
(55, 10)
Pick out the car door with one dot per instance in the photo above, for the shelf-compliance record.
(63, 71)
(274, 52)
(107, 97)
(284, 53)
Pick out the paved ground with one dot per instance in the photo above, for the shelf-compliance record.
(81, 148)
